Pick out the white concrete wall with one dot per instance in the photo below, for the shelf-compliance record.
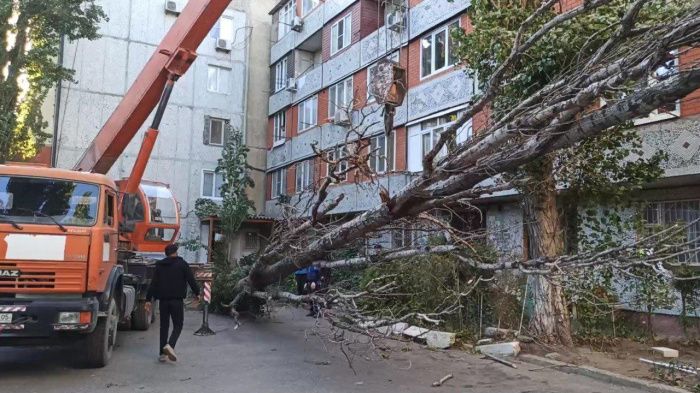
(104, 70)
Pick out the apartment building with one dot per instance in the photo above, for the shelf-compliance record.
(227, 85)
(321, 63)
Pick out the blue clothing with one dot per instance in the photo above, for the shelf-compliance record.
(312, 273)
(301, 271)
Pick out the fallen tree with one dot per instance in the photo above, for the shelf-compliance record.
(606, 87)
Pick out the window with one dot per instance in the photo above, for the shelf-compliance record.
(214, 134)
(402, 236)
(218, 79)
(340, 96)
(286, 19)
(279, 182)
(340, 34)
(424, 135)
(308, 6)
(279, 131)
(308, 113)
(337, 154)
(226, 29)
(381, 159)
(371, 70)
(251, 240)
(305, 175)
(211, 184)
(664, 214)
(281, 75)
(436, 50)
(109, 210)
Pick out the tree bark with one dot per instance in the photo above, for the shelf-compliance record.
(550, 320)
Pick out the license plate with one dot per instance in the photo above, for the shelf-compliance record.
(5, 318)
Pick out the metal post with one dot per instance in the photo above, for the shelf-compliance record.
(205, 330)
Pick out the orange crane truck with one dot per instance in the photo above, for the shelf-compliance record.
(74, 244)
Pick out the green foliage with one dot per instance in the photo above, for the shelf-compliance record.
(233, 166)
(226, 276)
(431, 283)
(205, 207)
(36, 27)
(191, 244)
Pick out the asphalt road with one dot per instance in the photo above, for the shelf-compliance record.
(286, 354)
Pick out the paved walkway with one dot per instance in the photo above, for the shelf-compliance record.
(278, 355)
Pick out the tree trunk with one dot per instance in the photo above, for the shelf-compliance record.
(550, 320)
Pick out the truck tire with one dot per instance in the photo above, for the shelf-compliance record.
(100, 343)
(140, 317)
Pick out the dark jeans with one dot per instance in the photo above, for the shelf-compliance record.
(301, 280)
(170, 309)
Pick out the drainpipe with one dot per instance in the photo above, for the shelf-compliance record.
(57, 107)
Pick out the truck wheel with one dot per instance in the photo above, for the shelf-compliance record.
(100, 343)
(140, 317)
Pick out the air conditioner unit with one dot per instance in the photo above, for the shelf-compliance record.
(223, 45)
(298, 24)
(395, 21)
(172, 7)
(341, 118)
(292, 85)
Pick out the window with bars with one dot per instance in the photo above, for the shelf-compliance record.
(666, 213)
(251, 241)
(381, 159)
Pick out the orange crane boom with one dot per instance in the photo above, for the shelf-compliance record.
(171, 60)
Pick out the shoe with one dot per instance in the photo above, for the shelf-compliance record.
(170, 353)
(163, 358)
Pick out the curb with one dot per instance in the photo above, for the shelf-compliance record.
(601, 375)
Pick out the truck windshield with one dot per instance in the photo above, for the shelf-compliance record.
(48, 201)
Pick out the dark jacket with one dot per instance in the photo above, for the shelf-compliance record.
(170, 280)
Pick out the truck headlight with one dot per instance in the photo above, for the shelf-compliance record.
(69, 317)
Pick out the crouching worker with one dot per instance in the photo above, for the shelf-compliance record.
(169, 287)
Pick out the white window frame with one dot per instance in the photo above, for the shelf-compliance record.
(372, 68)
(448, 43)
(214, 191)
(303, 123)
(279, 128)
(656, 114)
(285, 19)
(278, 177)
(340, 96)
(281, 75)
(377, 156)
(336, 154)
(345, 34)
(219, 88)
(304, 175)
(308, 5)
(419, 130)
(223, 122)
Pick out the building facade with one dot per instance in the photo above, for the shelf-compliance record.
(225, 86)
(323, 59)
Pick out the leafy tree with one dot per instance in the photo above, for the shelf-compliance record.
(601, 170)
(30, 36)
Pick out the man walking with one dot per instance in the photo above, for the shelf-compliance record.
(169, 286)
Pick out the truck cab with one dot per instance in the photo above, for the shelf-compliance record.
(60, 277)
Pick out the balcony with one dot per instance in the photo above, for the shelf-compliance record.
(358, 197)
